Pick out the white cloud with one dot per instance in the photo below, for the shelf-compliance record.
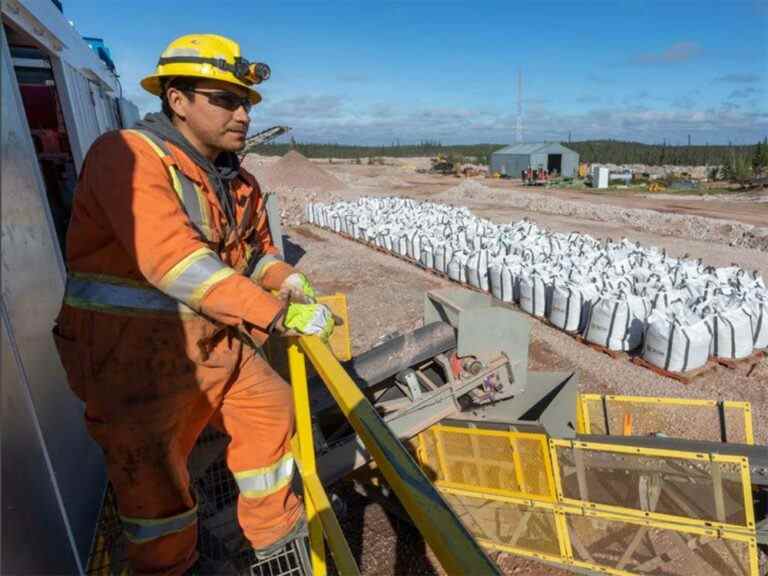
(738, 79)
(382, 123)
(678, 52)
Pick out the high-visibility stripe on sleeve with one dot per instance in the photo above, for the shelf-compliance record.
(262, 265)
(190, 194)
(194, 275)
(139, 530)
(260, 482)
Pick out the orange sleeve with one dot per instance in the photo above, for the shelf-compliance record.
(133, 189)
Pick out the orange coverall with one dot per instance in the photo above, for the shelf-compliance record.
(145, 334)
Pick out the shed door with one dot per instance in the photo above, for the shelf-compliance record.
(555, 163)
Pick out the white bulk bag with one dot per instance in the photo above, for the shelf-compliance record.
(533, 290)
(731, 326)
(570, 303)
(676, 344)
(663, 300)
(494, 279)
(443, 255)
(457, 267)
(616, 321)
(477, 270)
(759, 308)
(502, 281)
(402, 245)
(413, 245)
(427, 258)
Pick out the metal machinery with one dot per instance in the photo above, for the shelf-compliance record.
(264, 136)
(597, 484)
(469, 360)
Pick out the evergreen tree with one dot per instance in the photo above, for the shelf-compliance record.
(760, 157)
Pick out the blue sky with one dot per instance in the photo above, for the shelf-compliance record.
(375, 73)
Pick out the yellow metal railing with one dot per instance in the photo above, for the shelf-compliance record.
(451, 542)
(533, 518)
(611, 414)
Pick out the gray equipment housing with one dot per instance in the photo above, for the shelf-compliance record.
(468, 362)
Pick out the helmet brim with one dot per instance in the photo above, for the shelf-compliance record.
(153, 85)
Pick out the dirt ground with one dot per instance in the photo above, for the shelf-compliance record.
(386, 295)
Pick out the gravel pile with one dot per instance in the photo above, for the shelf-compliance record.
(296, 180)
(680, 225)
(295, 171)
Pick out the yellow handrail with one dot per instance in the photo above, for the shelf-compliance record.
(451, 542)
(320, 514)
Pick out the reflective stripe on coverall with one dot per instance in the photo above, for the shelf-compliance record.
(155, 293)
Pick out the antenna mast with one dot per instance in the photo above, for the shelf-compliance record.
(519, 122)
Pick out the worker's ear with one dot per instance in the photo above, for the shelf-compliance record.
(177, 101)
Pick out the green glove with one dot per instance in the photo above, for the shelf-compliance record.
(309, 319)
(296, 288)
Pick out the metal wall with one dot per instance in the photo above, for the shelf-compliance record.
(514, 163)
(53, 474)
(510, 164)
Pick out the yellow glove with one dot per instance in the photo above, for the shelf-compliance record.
(296, 288)
(309, 319)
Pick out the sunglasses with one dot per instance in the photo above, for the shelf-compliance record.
(226, 100)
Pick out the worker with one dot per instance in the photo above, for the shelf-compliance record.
(173, 285)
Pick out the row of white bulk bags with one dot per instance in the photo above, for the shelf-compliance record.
(617, 321)
(504, 258)
(677, 343)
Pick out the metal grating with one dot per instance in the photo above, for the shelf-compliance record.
(692, 419)
(506, 524)
(633, 547)
(699, 489)
(500, 462)
(293, 560)
(221, 544)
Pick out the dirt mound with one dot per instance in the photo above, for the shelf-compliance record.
(296, 181)
(295, 171)
(468, 189)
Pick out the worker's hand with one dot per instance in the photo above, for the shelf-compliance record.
(296, 288)
(307, 319)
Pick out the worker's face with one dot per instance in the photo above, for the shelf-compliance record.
(216, 114)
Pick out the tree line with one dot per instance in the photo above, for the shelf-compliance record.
(591, 151)
(622, 152)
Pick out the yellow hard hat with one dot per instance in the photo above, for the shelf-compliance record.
(207, 56)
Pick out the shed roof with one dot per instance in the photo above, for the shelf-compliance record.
(531, 148)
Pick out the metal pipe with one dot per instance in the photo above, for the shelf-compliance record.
(402, 352)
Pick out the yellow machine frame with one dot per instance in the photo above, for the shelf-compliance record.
(584, 417)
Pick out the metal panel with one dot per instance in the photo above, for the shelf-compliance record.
(78, 92)
(673, 417)
(669, 485)
(494, 462)
(273, 217)
(32, 295)
(34, 537)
